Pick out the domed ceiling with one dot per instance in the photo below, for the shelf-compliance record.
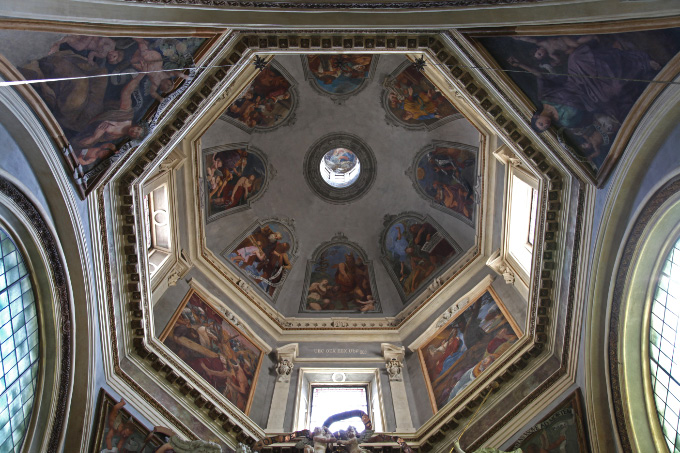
(307, 247)
(309, 192)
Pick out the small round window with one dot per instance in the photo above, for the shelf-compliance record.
(340, 168)
(664, 342)
(18, 346)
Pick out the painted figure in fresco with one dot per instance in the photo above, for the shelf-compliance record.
(178, 445)
(417, 250)
(264, 256)
(118, 428)
(448, 352)
(96, 47)
(585, 85)
(340, 281)
(339, 74)
(99, 114)
(266, 102)
(151, 61)
(232, 177)
(414, 99)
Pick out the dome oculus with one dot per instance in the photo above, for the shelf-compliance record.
(340, 168)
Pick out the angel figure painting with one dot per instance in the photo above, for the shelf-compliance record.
(415, 251)
(265, 104)
(414, 101)
(584, 86)
(563, 430)
(215, 349)
(339, 74)
(109, 87)
(234, 178)
(264, 255)
(445, 174)
(469, 344)
(340, 280)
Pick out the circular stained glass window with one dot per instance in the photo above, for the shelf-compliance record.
(18, 346)
(340, 168)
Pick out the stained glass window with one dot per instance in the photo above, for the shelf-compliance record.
(18, 346)
(663, 338)
(327, 401)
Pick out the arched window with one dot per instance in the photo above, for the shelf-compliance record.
(663, 339)
(19, 349)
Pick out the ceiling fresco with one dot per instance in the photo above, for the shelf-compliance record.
(429, 170)
(583, 87)
(412, 101)
(269, 102)
(404, 262)
(101, 117)
(339, 76)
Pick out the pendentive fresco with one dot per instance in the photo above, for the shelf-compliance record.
(584, 86)
(339, 76)
(113, 88)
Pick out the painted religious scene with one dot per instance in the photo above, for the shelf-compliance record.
(562, 430)
(415, 251)
(584, 85)
(267, 103)
(413, 101)
(234, 178)
(470, 343)
(341, 74)
(340, 280)
(117, 430)
(446, 174)
(215, 349)
(264, 256)
(120, 82)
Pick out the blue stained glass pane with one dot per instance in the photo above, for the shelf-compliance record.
(664, 362)
(19, 349)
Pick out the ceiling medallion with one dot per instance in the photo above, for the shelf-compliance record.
(339, 168)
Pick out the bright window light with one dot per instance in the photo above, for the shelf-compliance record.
(522, 219)
(328, 401)
(664, 343)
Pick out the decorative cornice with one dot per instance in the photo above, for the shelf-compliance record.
(338, 5)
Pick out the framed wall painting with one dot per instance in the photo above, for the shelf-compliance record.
(562, 430)
(225, 357)
(117, 430)
(461, 350)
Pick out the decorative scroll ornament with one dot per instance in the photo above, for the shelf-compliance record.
(284, 368)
